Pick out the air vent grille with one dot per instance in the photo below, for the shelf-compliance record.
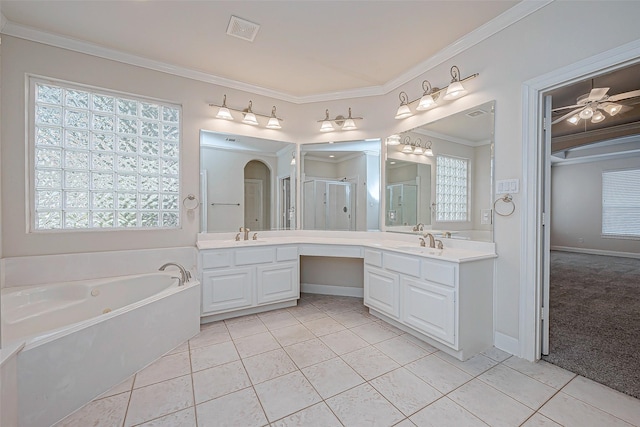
(476, 113)
(242, 29)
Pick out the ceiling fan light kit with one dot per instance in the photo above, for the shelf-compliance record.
(431, 94)
(590, 106)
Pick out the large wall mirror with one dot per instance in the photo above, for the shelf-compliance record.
(340, 184)
(439, 177)
(246, 182)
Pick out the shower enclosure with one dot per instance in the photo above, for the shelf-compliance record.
(402, 206)
(329, 205)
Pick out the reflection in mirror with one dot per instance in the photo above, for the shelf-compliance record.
(449, 190)
(246, 182)
(341, 185)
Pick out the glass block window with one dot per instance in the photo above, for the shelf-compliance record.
(621, 203)
(452, 189)
(103, 160)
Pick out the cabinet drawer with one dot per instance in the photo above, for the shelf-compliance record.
(216, 259)
(287, 253)
(373, 257)
(439, 273)
(402, 264)
(254, 256)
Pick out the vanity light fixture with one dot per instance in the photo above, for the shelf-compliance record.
(341, 122)
(428, 99)
(408, 148)
(393, 139)
(403, 110)
(431, 94)
(273, 123)
(223, 112)
(455, 90)
(418, 147)
(428, 151)
(249, 116)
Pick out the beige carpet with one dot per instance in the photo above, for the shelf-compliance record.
(595, 318)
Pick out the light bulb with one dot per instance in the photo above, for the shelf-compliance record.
(326, 126)
(454, 91)
(586, 113)
(273, 123)
(407, 149)
(349, 124)
(426, 102)
(250, 119)
(393, 139)
(224, 114)
(597, 117)
(417, 150)
(428, 152)
(403, 112)
(574, 119)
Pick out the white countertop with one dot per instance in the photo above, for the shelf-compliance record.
(454, 250)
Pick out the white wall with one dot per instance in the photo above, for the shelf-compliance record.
(539, 44)
(576, 206)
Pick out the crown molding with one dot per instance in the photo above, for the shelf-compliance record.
(509, 17)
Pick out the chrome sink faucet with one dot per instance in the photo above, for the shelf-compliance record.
(186, 275)
(432, 241)
(246, 232)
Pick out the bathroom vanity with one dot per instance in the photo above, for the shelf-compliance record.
(444, 297)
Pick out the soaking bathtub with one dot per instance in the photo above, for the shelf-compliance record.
(82, 338)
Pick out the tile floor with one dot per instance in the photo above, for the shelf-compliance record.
(327, 362)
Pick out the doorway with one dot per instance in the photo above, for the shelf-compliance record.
(536, 245)
(257, 196)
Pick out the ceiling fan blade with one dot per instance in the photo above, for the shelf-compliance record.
(626, 95)
(597, 93)
(568, 106)
(566, 116)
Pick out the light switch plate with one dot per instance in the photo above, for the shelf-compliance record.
(510, 186)
(485, 216)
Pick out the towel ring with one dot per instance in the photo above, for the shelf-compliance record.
(506, 199)
(190, 202)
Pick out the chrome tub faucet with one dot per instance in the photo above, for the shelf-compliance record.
(184, 273)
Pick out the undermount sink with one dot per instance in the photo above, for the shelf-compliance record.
(421, 250)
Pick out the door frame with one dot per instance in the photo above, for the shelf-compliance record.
(531, 255)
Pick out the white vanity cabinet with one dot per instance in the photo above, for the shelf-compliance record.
(239, 281)
(446, 303)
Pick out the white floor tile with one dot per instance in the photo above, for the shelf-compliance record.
(256, 344)
(364, 406)
(213, 355)
(542, 371)
(245, 326)
(405, 391)
(278, 319)
(266, 366)
(179, 349)
(306, 313)
(241, 408)
(285, 395)
(292, 335)
(445, 413)
(183, 418)
(496, 354)
(521, 387)
(370, 362)
(401, 349)
(473, 366)
(493, 407)
(159, 399)
(538, 420)
(374, 332)
(211, 333)
(405, 423)
(124, 386)
(343, 342)
(106, 412)
(318, 415)
(323, 326)
(215, 382)
(571, 412)
(439, 374)
(332, 377)
(604, 398)
(309, 353)
(165, 368)
(350, 319)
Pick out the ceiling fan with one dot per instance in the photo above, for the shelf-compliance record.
(592, 104)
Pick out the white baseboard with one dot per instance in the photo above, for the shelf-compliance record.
(506, 343)
(596, 252)
(344, 291)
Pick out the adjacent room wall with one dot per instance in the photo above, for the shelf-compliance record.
(576, 207)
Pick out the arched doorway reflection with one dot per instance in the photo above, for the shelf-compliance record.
(257, 196)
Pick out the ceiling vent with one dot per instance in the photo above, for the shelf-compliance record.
(476, 113)
(242, 29)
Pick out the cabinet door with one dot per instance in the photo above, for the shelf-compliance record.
(382, 291)
(278, 282)
(430, 309)
(224, 290)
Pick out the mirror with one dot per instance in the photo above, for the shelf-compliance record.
(341, 185)
(448, 191)
(246, 182)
